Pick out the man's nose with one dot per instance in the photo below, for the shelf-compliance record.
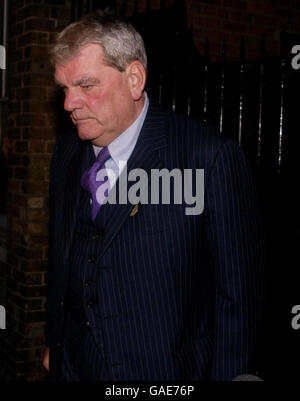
(72, 100)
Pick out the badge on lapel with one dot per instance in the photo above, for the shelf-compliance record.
(134, 210)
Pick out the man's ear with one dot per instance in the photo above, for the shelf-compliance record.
(136, 79)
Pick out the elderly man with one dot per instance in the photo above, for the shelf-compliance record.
(144, 290)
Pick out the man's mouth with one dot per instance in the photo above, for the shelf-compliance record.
(80, 120)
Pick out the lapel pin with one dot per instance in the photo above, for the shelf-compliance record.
(134, 210)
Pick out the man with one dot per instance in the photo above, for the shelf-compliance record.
(137, 290)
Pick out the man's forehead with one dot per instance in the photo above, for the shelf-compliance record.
(78, 79)
(78, 68)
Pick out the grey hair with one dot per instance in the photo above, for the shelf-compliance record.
(120, 42)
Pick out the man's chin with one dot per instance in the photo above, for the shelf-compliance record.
(86, 135)
(82, 134)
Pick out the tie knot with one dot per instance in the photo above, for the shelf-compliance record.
(90, 183)
(102, 157)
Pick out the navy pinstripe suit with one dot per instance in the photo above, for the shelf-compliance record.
(178, 296)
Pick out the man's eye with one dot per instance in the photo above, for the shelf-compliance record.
(86, 86)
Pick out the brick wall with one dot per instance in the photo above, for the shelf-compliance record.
(231, 19)
(31, 134)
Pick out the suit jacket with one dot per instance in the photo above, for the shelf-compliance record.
(183, 292)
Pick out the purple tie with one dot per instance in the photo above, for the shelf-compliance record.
(93, 187)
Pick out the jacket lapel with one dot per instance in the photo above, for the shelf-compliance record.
(151, 141)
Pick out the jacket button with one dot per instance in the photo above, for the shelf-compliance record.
(90, 304)
(76, 340)
(91, 259)
(62, 303)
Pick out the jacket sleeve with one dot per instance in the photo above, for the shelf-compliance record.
(235, 239)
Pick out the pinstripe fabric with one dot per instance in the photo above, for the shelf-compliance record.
(82, 351)
(178, 296)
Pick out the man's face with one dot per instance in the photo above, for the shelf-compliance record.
(98, 97)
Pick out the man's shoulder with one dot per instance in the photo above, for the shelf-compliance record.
(197, 142)
(192, 129)
(66, 143)
(196, 129)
